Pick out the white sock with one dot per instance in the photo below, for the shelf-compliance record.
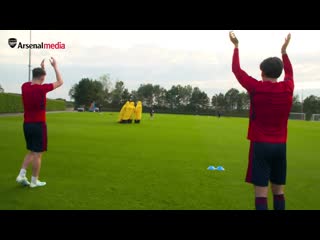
(34, 179)
(23, 172)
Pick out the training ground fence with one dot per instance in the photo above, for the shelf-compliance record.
(207, 112)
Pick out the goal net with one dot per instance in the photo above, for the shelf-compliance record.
(315, 117)
(297, 116)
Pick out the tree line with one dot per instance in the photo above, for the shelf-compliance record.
(310, 105)
(177, 99)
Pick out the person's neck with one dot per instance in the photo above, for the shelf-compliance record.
(34, 82)
(266, 79)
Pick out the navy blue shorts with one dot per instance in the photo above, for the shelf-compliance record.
(36, 136)
(267, 162)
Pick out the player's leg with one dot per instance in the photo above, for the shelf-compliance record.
(277, 189)
(28, 135)
(27, 160)
(278, 197)
(36, 166)
(261, 197)
(278, 176)
(258, 174)
(40, 145)
(22, 178)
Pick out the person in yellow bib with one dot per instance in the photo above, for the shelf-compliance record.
(122, 111)
(128, 112)
(132, 109)
(138, 112)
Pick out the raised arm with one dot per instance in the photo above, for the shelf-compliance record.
(42, 64)
(59, 81)
(288, 71)
(243, 78)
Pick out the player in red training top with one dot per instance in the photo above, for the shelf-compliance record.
(270, 104)
(34, 126)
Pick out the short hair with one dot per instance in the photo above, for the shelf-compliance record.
(38, 72)
(272, 67)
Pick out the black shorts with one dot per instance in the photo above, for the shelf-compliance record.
(267, 162)
(36, 136)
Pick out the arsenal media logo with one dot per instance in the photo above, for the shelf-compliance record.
(12, 42)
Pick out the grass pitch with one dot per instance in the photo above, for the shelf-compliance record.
(94, 163)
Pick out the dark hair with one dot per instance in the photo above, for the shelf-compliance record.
(38, 72)
(272, 67)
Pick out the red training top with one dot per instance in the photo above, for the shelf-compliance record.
(270, 103)
(35, 101)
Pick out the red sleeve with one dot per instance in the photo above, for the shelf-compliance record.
(288, 71)
(47, 87)
(244, 79)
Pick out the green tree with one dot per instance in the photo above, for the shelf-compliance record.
(87, 91)
(1, 89)
(214, 101)
(232, 99)
(159, 94)
(117, 94)
(185, 94)
(97, 93)
(79, 93)
(134, 96)
(311, 105)
(199, 100)
(218, 102)
(145, 93)
(296, 104)
(179, 97)
(243, 101)
(172, 97)
(107, 87)
(126, 96)
(105, 79)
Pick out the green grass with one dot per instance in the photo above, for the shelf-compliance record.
(95, 163)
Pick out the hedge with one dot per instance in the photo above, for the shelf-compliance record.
(12, 103)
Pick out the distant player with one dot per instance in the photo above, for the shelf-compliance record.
(122, 112)
(270, 104)
(138, 112)
(219, 114)
(34, 127)
(132, 111)
(92, 107)
(151, 113)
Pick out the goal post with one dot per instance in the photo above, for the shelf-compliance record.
(297, 116)
(315, 117)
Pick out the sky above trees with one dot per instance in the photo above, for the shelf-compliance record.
(198, 58)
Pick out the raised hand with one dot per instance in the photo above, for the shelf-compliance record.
(42, 64)
(233, 39)
(59, 81)
(53, 62)
(286, 43)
